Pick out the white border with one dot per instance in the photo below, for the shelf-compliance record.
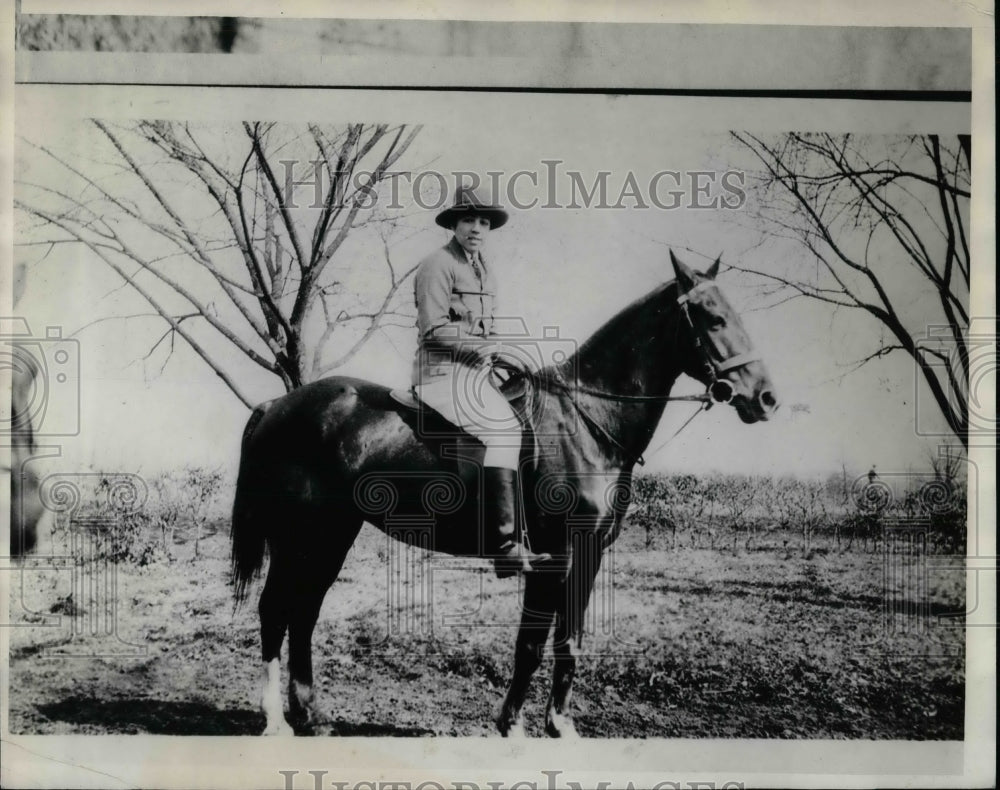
(240, 762)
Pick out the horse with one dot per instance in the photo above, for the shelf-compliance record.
(321, 460)
(28, 515)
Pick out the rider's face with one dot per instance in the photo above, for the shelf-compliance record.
(471, 231)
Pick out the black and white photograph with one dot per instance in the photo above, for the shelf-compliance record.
(498, 400)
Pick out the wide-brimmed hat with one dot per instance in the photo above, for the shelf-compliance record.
(477, 201)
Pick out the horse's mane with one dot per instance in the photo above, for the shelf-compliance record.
(624, 318)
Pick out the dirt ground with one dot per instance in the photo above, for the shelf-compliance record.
(683, 642)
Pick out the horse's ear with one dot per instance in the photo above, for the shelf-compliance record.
(685, 277)
(713, 270)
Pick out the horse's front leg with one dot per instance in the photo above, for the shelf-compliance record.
(558, 720)
(569, 630)
(540, 591)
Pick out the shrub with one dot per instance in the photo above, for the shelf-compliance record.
(702, 508)
(156, 513)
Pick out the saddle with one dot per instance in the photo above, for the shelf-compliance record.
(448, 440)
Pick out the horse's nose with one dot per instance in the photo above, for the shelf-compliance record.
(767, 401)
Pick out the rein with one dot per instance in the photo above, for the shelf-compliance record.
(551, 382)
(704, 397)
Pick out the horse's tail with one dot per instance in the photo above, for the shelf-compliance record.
(248, 520)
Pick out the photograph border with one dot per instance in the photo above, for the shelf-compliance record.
(98, 761)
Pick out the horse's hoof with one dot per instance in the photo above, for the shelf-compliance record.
(304, 723)
(302, 705)
(513, 729)
(561, 727)
(278, 728)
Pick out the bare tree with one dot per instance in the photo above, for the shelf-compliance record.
(884, 223)
(737, 495)
(802, 503)
(235, 233)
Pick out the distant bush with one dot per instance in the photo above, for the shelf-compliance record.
(183, 507)
(184, 502)
(140, 520)
(717, 510)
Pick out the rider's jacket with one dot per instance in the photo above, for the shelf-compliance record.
(454, 306)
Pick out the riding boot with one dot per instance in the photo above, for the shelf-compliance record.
(500, 507)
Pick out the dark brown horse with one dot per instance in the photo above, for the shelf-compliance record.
(28, 516)
(320, 461)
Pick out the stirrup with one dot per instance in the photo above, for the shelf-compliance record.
(517, 558)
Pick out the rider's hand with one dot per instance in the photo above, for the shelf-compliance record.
(484, 353)
(510, 358)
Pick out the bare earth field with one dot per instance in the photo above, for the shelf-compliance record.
(685, 642)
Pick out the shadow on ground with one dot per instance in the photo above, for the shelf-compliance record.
(160, 717)
(153, 716)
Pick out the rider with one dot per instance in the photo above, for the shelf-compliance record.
(455, 292)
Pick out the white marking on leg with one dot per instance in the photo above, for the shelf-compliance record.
(516, 730)
(558, 725)
(270, 700)
(511, 724)
(301, 700)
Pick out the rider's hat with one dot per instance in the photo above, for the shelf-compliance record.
(473, 200)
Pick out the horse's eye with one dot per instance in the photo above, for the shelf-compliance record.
(717, 322)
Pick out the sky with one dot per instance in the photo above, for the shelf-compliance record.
(572, 269)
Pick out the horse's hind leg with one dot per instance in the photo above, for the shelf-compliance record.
(540, 591)
(273, 611)
(569, 630)
(293, 593)
(315, 572)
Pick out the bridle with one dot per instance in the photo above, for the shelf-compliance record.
(718, 389)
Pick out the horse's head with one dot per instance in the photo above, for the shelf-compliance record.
(719, 352)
